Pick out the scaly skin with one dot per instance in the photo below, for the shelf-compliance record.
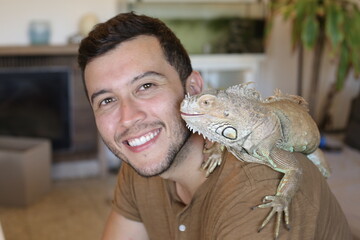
(258, 131)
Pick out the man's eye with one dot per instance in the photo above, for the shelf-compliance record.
(107, 101)
(145, 86)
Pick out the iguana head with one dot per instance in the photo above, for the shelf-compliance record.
(224, 116)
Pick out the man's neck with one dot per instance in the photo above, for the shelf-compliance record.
(186, 172)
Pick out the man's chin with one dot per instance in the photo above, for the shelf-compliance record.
(151, 171)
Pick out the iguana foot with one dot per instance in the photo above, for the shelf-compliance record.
(211, 163)
(279, 205)
(214, 159)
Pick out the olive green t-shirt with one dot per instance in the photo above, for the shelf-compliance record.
(222, 206)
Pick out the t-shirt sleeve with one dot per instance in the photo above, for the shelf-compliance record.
(124, 201)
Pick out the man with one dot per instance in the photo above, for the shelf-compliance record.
(136, 73)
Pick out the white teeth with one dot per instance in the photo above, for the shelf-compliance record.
(143, 139)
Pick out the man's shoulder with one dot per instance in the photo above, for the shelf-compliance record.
(247, 173)
(260, 172)
(241, 186)
(261, 178)
(237, 187)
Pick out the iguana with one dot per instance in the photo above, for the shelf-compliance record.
(259, 131)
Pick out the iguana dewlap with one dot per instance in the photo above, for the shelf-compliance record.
(259, 131)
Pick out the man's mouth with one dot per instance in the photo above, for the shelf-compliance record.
(143, 139)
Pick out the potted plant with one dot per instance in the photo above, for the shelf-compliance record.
(323, 25)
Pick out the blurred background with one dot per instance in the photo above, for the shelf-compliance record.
(57, 177)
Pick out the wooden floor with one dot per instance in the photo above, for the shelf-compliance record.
(77, 209)
(73, 210)
(345, 184)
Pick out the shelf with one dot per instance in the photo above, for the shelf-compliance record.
(226, 62)
(192, 1)
(39, 50)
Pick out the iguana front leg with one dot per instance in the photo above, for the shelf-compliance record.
(286, 163)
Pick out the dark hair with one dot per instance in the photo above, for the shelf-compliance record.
(126, 26)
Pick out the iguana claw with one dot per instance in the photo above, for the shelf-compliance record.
(214, 159)
(211, 164)
(279, 205)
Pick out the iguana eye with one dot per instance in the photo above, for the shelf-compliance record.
(230, 133)
(206, 101)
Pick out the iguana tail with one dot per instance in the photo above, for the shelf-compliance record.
(278, 96)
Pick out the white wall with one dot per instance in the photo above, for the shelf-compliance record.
(279, 68)
(64, 16)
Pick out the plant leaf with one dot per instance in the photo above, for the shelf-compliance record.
(310, 31)
(287, 11)
(352, 36)
(343, 67)
(295, 32)
(355, 60)
(352, 28)
(333, 24)
(299, 8)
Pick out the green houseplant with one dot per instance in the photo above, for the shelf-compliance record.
(323, 25)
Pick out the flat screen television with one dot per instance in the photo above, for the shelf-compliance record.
(35, 102)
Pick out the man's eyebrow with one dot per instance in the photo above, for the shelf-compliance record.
(95, 94)
(147, 74)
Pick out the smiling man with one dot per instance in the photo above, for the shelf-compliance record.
(136, 104)
(136, 73)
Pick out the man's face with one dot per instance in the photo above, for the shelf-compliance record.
(135, 95)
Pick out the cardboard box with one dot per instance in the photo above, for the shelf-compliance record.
(25, 170)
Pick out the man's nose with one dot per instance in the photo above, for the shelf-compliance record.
(131, 112)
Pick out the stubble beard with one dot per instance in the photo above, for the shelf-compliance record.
(180, 136)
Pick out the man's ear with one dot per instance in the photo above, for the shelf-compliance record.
(194, 83)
